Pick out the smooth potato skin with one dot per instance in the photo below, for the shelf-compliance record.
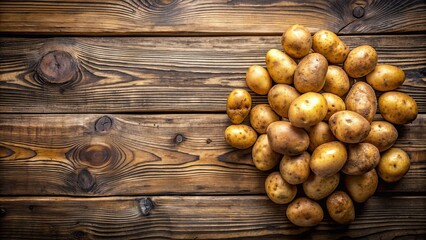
(297, 41)
(340, 207)
(295, 169)
(304, 212)
(317, 187)
(238, 105)
(261, 116)
(240, 136)
(386, 77)
(336, 81)
(258, 80)
(362, 158)
(307, 110)
(329, 44)
(397, 107)
(328, 158)
(394, 164)
(318, 134)
(310, 73)
(280, 98)
(361, 61)
(334, 104)
(362, 99)
(287, 139)
(383, 135)
(278, 190)
(281, 67)
(361, 187)
(349, 127)
(264, 158)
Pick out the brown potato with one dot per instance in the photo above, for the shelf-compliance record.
(397, 107)
(258, 80)
(318, 134)
(361, 61)
(261, 116)
(280, 66)
(349, 127)
(297, 41)
(317, 187)
(386, 77)
(334, 104)
(383, 135)
(362, 187)
(310, 73)
(394, 164)
(329, 44)
(240, 136)
(340, 207)
(304, 212)
(280, 97)
(362, 99)
(336, 81)
(362, 157)
(295, 169)
(238, 105)
(287, 139)
(278, 190)
(307, 110)
(264, 158)
(328, 158)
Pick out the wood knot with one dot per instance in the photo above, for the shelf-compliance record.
(179, 138)
(95, 155)
(146, 205)
(57, 67)
(85, 180)
(103, 124)
(358, 11)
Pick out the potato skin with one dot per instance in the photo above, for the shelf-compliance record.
(317, 187)
(307, 110)
(329, 44)
(328, 158)
(394, 164)
(340, 207)
(362, 99)
(286, 138)
(362, 158)
(398, 107)
(334, 104)
(361, 61)
(336, 81)
(318, 134)
(278, 190)
(297, 41)
(310, 73)
(280, 97)
(238, 105)
(295, 169)
(281, 67)
(261, 116)
(349, 127)
(304, 212)
(386, 77)
(240, 136)
(383, 135)
(264, 158)
(258, 80)
(361, 187)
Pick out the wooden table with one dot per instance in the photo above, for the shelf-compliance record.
(113, 115)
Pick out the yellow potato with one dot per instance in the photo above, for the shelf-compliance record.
(361, 187)
(329, 44)
(295, 169)
(297, 41)
(362, 99)
(397, 107)
(310, 73)
(307, 110)
(264, 158)
(278, 190)
(280, 97)
(304, 212)
(317, 187)
(382, 135)
(336, 81)
(240, 136)
(349, 127)
(334, 104)
(258, 80)
(318, 134)
(287, 139)
(340, 207)
(238, 105)
(362, 158)
(280, 66)
(361, 61)
(394, 164)
(328, 158)
(386, 77)
(261, 116)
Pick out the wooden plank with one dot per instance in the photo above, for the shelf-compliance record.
(146, 154)
(175, 17)
(158, 74)
(221, 217)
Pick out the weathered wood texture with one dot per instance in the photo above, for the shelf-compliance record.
(146, 154)
(220, 217)
(158, 74)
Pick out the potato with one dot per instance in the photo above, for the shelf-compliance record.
(304, 212)
(336, 81)
(258, 80)
(264, 158)
(397, 107)
(317, 187)
(361, 61)
(382, 135)
(286, 138)
(297, 41)
(394, 164)
(310, 73)
(280, 97)
(361, 187)
(278, 190)
(329, 44)
(295, 169)
(362, 99)
(386, 77)
(261, 116)
(307, 110)
(328, 158)
(280, 66)
(238, 105)
(362, 158)
(340, 207)
(318, 134)
(240, 136)
(349, 127)
(334, 104)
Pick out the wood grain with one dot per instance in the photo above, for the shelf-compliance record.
(201, 217)
(69, 75)
(146, 154)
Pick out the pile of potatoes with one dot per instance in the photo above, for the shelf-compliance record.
(318, 129)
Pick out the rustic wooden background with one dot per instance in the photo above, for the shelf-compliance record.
(112, 117)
